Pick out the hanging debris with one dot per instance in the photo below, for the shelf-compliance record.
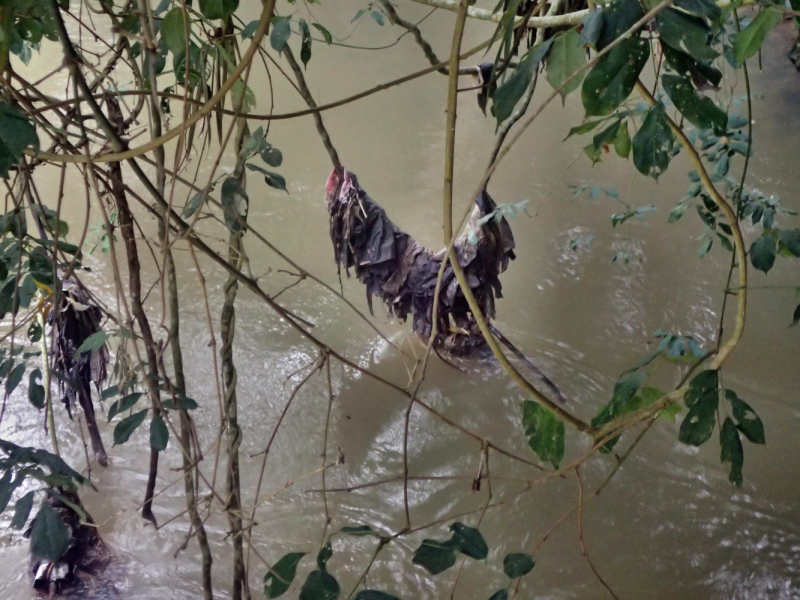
(75, 319)
(396, 269)
(86, 556)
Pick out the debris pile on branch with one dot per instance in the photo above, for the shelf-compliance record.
(402, 273)
(75, 319)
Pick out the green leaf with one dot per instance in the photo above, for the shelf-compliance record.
(701, 8)
(374, 595)
(183, 402)
(22, 511)
(218, 9)
(159, 434)
(325, 33)
(601, 140)
(796, 316)
(35, 389)
(622, 402)
(698, 425)
(609, 83)
(699, 110)
(671, 411)
(702, 383)
(249, 30)
(511, 91)
(683, 64)
(305, 46)
(273, 179)
(282, 574)
(434, 556)
(235, 204)
(14, 378)
(762, 253)
(748, 41)
(7, 487)
(193, 204)
(281, 30)
(123, 404)
(653, 142)
(790, 239)
(566, 57)
(517, 565)
(500, 595)
(686, 33)
(377, 17)
(622, 143)
(272, 156)
(469, 541)
(127, 426)
(16, 134)
(747, 421)
(173, 31)
(617, 18)
(545, 432)
(92, 343)
(358, 530)
(319, 585)
(584, 128)
(49, 535)
(732, 452)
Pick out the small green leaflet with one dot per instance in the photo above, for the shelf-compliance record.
(93, 342)
(16, 134)
(545, 432)
(517, 565)
(747, 421)
(273, 179)
(126, 427)
(159, 434)
(22, 511)
(732, 451)
(49, 534)
(609, 83)
(305, 46)
(762, 253)
(281, 30)
(698, 425)
(436, 556)
(653, 142)
(511, 91)
(14, 378)
(282, 574)
(35, 389)
(123, 404)
(566, 57)
(748, 42)
(325, 33)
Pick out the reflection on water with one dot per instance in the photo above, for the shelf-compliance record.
(669, 526)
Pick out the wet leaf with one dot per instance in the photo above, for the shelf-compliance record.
(273, 179)
(325, 33)
(282, 574)
(272, 156)
(566, 57)
(123, 404)
(732, 452)
(16, 134)
(305, 45)
(748, 42)
(698, 425)
(434, 556)
(159, 434)
(790, 238)
(517, 565)
(93, 342)
(126, 427)
(173, 31)
(762, 253)
(281, 30)
(14, 378)
(218, 9)
(702, 383)
(469, 541)
(609, 83)
(35, 389)
(499, 595)
(747, 421)
(703, 75)
(49, 535)
(22, 511)
(324, 555)
(511, 91)
(686, 33)
(699, 110)
(653, 142)
(320, 586)
(545, 432)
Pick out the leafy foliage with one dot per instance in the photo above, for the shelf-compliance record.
(545, 432)
(436, 556)
(280, 577)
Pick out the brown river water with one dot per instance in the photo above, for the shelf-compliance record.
(670, 525)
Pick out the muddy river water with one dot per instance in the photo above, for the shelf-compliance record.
(670, 525)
